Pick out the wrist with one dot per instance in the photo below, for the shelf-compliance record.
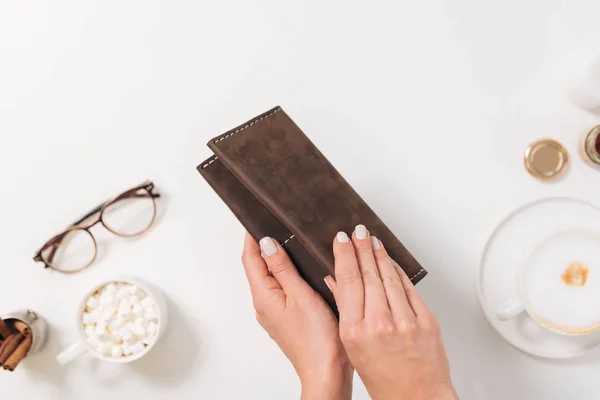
(446, 394)
(340, 390)
(332, 383)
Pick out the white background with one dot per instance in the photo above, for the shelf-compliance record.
(425, 107)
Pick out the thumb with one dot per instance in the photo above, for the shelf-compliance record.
(281, 267)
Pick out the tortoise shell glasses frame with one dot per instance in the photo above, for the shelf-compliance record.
(46, 254)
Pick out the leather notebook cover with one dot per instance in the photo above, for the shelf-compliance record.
(278, 184)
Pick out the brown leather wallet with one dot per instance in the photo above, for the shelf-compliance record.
(278, 184)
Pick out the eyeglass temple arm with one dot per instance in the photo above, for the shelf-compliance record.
(94, 211)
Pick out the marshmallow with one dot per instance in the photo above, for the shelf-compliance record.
(136, 329)
(125, 303)
(136, 291)
(88, 318)
(141, 322)
(137, 348)
(110, 288)
(132, 340)
(147, 302)
(89, 331)
(117, 323)
(97, 314)
(124, 309)
(116, 351)
(107, 299)
(101, 328)
(125, 334)
(108, 312)
(104, 348)
(123, 294)
(138, 309)
(92, 302)
(127, 349)
(152, 328)
(151, 313)
(116, 336)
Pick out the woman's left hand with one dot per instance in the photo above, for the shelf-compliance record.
(298, 320)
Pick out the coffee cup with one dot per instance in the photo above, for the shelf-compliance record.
(558, 284)
(93, 339)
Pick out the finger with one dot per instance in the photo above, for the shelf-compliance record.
(256, 269)
(375, 298)
(414, 298)
(281, 267)
(332, 285)
(350, 296)
(392, 283)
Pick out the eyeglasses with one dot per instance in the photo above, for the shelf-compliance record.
(129, 214)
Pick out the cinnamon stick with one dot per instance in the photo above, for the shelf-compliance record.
(18, 355)
(4, 329)
(9, 346)
(22, 327)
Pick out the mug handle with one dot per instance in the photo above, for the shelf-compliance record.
(72, 352)
(510, 309)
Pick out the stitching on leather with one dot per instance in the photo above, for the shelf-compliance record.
(287, 240)
(249, 125)
(418, 273)
(411, 279)
(210, 162)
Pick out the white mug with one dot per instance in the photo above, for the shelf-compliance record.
(82, 346)
(558, 284)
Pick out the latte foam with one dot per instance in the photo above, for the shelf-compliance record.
(561, 282)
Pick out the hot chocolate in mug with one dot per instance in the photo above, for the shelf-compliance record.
(119, 320)
(558, 284)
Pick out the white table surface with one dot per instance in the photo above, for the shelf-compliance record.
(425, 107)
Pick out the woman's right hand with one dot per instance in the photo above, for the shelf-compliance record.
(391, 337)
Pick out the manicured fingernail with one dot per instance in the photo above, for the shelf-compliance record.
(268, 246)
(375, 243)
(342, 237)
(361, 232)
(326, 279)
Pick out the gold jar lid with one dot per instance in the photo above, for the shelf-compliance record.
(546, 159)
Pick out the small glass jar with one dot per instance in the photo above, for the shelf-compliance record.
(37, 324)
(590, 146)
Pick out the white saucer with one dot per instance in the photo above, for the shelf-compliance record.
(514, 238)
